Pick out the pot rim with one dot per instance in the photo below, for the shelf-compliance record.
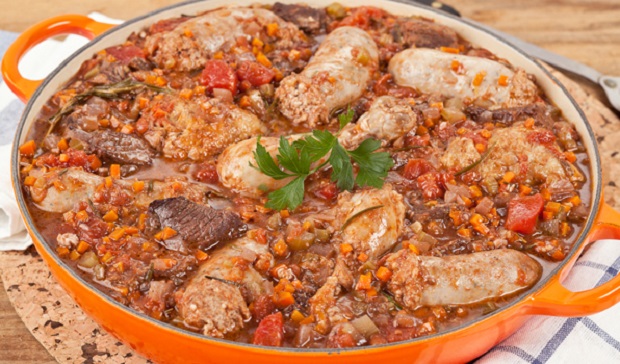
(595, 191)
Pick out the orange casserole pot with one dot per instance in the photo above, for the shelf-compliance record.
(164, 343)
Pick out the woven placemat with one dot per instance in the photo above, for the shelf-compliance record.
(69, 335)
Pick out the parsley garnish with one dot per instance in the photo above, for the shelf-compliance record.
(296, 160)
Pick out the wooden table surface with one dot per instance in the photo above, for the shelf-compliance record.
(585, 30)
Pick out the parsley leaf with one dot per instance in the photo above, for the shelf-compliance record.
(342, 169)
(289, 196)
(297, 160)
(373, 167)
(316, 145)
(346, 117)
(266, 164)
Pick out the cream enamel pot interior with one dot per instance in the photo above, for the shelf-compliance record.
(164, 343)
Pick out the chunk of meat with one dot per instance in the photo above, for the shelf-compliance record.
(375, 231)
(369, 229)
(81, 186)
(338, 74)
(459, 279)
(216, 299)
(236, 173)
(526, 152)
(197, 128)
(430, 71)
(422, 33)
(307, 18)
(511, 115)
(387, 119)
(195, 223)
(191, 43)
(118, 147)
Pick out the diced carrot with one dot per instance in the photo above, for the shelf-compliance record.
(81, 215)
(508, 176)
(476, 219)
(107, 257)
(524, 190)
(485, 133)
(464, 232)
(548, 215)
(257, 43)
(127, 129)
(284, 213)
(297, 316)
(95, 163)
(74, 255)
(63, 157)
(546, 195)
(461, 131)
(476, 192)
(115, 171)
(364, 282)
(188, 32)
(307, 320)
(123, 290)
(110, 216)
(138, 186)
(564, 229)
(362, 257)
(218, 55)
(166, 233)
(104, 123)
(450, 50)
(478, 78)
(272, 28)
(371, 292)
(383, 274)
(131, 230)
(29, 180)
(62, 251)
(455, 215)
(575, 200)
(262, 59)
(455, 65)
(280, 248)
(307, 225)
(414, 249)
(28, 148)
(480, 147)
(82, 247)
(557, 255)
(117, 234)
(120, 267)
(142, 221)
(149, 246)
(177, 186)
(186, 93)
(502, 80)
(529, 123)
(108, 182)
(62, 144)
(422, 130)
(553, 207)
(346, 248)
(201, 256)
(283, 299)
(570, 156)
(143, 102)
(482, 229)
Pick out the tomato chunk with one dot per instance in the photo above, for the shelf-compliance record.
(125, 53)
(255, 73)
(431, 184)
(218, 74)
(362, 16)
(417, 167)
(328, 191)
(523, 213)
(270, 330)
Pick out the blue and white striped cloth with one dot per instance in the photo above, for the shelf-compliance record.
(593, 339)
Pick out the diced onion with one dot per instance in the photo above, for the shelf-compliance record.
(223, 94)
(365, 326)
(88, 260)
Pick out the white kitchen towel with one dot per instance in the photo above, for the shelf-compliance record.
(36, 64)
(554, 340)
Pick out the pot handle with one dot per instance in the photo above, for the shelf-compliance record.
(555, 300)
(74, 24)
